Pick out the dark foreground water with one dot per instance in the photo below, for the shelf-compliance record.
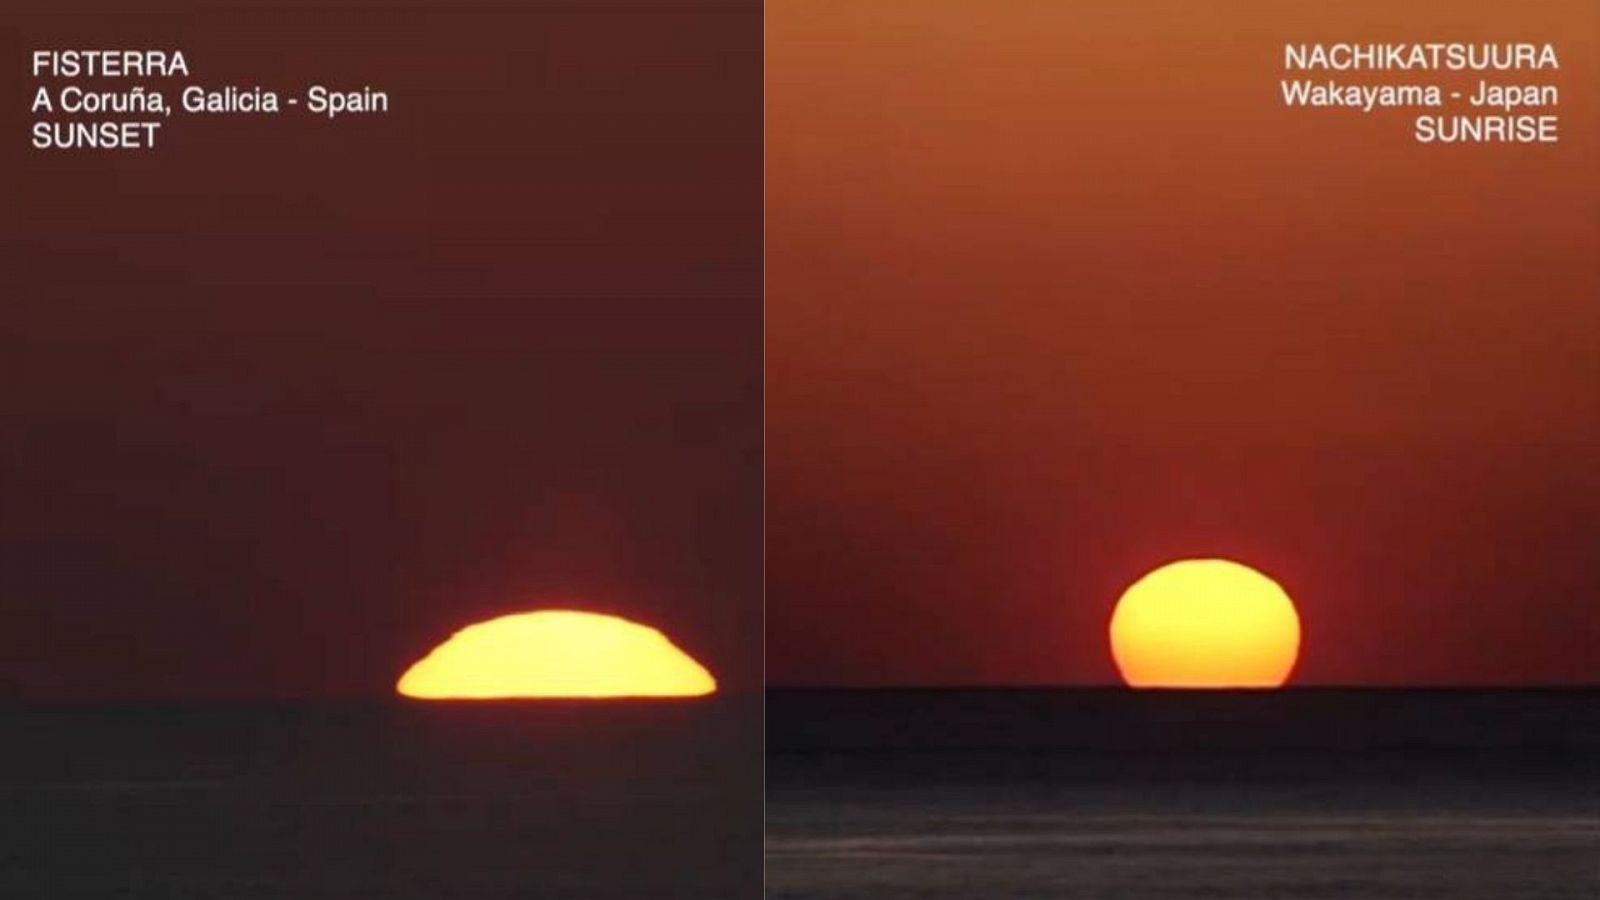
(1321, 795)
(392, 800)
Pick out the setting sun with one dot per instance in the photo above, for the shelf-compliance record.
(1205, 623)
(556, 653)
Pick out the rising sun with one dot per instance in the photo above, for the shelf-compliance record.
(1205, 623)
(555, 653)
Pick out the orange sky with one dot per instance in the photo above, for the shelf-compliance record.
(286, 401)
(1058, 292)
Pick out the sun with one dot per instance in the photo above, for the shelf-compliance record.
(1205, 623)
(555, 653)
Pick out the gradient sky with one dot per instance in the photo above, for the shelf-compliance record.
(1060, 292)
(285, 403)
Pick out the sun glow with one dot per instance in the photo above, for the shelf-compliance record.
(1205, 623)
(555, 653)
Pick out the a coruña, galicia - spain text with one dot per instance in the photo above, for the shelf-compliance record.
(100, 99)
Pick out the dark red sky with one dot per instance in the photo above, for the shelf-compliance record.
(1060, 292)
(286, 402)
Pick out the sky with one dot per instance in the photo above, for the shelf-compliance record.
(1053, 296)
(1062, 292)
(288, 402)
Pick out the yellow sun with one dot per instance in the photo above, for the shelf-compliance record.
(1205, 623)
(556, 653)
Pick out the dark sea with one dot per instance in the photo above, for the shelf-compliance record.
(391, 800)
(1306, 794)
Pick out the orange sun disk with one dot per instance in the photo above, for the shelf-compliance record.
(555, 653)
(1205, 623)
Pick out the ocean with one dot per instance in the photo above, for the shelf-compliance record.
(394, 800)
(1104, 794)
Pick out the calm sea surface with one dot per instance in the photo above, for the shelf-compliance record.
(1325, 796)
(616, 800)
